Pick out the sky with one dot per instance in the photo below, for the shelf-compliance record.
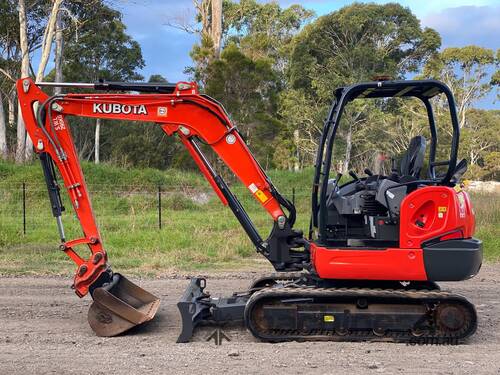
(166, 49)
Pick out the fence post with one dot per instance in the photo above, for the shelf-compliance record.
(24, 208)
(159, 206)
(293, 196)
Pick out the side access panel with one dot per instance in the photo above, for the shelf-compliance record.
(432, 212)
(372, 264)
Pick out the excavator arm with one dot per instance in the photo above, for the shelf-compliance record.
(179, 109)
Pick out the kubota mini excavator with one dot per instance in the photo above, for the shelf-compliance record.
(376, 247)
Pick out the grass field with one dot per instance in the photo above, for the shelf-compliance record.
(198, 232)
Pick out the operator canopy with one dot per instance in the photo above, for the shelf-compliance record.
(424, 89)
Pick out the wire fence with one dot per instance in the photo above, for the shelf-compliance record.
(25, 207)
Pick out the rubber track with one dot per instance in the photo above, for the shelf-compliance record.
(424, 296)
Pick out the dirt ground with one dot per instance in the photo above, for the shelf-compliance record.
(43, 330)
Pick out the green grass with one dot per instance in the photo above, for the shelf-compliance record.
(487, 210)
(196, 233)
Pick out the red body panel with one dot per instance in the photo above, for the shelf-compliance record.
(443, 211)
(357, 264)
(445, 214)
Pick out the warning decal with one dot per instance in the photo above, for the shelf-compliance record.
(261, 196)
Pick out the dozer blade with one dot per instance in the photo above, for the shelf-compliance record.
(119, 306)
(198, 307)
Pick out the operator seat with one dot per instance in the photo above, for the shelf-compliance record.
(413, 160)
(401, 183)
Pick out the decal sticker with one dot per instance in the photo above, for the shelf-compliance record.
(230, 139)
(328, 318)
(461, 206)
(59, 123)
(162, 112)
(253, 188)
(117, 109)
(441, 211)
(261, 195)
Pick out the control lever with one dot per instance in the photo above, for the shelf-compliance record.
(354, 175)
(368, 172)
(394, 171)
(337, 179)
(332, 194)
(394, 165)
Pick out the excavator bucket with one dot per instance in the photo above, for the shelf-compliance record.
(119, 306)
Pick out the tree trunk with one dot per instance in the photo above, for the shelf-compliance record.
(203, 6)
(3, 131)
(59, 52)
(348, 148)
(48, 37)
(25, 72)
(216, 29)
(11, 105)
(378, 163)
(473, 156)
(296, 140)
(97, 140)
(463, 119)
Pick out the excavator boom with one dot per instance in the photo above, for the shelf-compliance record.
(179, 109)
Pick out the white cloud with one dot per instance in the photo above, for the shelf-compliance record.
(466, 25)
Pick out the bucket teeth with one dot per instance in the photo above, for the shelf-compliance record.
(119, 306)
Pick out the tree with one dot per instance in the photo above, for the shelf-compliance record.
(216, 26)
(209, 16)
(25, 66)
(353, 44)
(7, 81)
(303, 117)
(480, 141)
(157, 78)
(495, 78)
(46, 49)
(247, 89)
(249, 74)
(358, 42)
(9, 31)
(58, 51)
(259, 30)
(466, 71)
(264, 30)
(147, 145)
(25, 27)
(3, 131)
(469, 72)
(103, 50)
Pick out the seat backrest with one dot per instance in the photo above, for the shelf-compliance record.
(413, 160)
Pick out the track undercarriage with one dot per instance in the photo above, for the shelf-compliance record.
(296, 307)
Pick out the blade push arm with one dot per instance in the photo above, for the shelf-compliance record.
(184, 112)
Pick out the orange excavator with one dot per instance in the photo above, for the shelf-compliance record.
(377, 244)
